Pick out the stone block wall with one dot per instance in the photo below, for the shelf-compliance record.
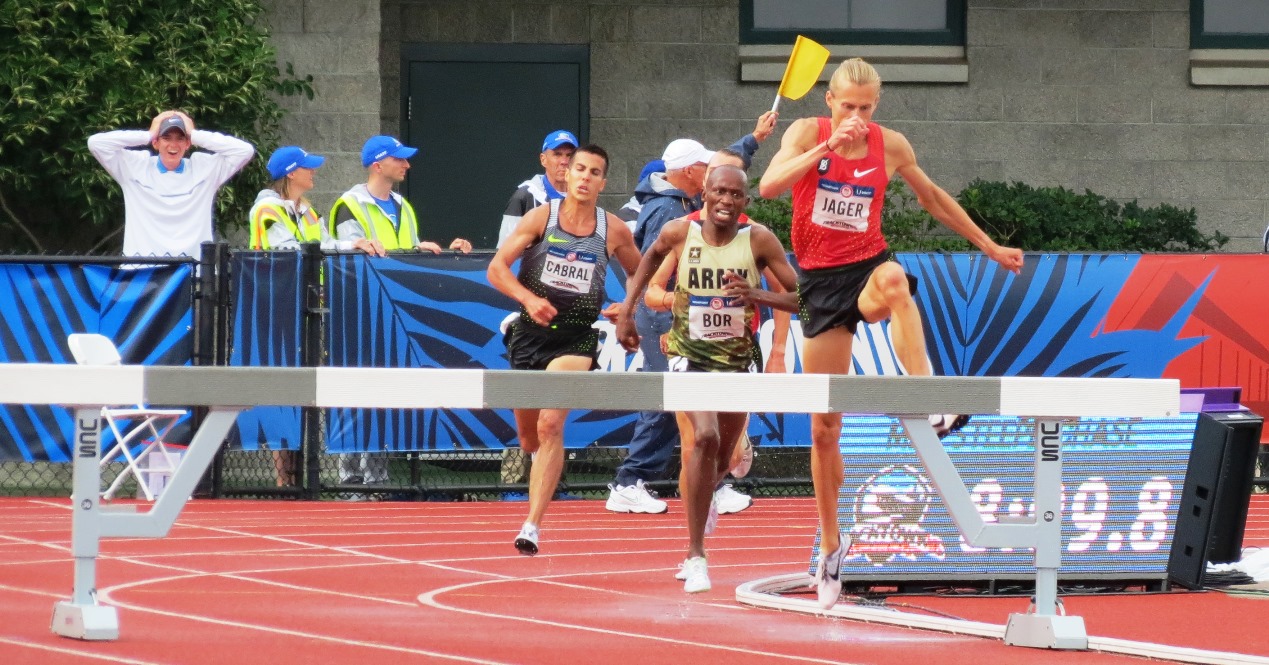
(338, 44)
(1087, 94)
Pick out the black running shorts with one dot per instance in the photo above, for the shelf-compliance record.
(531, 346)
(829, 297)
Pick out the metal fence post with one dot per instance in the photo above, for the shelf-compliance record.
(313, 352)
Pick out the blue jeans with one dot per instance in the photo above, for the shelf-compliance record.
(655, 433)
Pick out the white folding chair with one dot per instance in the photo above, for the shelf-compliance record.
(131, 425)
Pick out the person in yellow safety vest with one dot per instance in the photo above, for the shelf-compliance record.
(373, 210)
(376, 212)
(282, 217)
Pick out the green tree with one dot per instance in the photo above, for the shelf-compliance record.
(71, 68)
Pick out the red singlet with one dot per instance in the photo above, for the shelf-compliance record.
(837, 205)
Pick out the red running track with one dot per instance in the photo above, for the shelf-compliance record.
(289, 582)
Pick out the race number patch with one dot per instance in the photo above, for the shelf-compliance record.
(842, 206)
(567, 270)
(715, 318)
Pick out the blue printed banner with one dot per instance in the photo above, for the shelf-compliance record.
(267, 297)
(148, 312)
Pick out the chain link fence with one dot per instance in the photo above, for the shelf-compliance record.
(491, 475)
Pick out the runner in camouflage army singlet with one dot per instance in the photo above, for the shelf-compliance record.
(711, 331)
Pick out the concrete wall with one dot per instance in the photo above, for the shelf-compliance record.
(337, 42)
(1081, 93)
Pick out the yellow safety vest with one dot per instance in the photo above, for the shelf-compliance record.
(308, 230)
(376, 225)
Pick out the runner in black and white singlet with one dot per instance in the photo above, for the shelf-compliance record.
(566, 245)
(568, 271)
(714, 298)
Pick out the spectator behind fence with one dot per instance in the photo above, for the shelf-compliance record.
(374, 211)
(281, 219)
(168, 197)
(551, 184)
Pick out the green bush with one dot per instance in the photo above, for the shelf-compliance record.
(1057, 219)
(1034, 219)
(71, 68)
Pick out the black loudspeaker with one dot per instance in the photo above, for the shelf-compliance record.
(1213, 510)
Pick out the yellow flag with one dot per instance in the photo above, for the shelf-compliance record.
(805, 64)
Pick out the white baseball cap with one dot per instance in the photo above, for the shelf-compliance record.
(682, 153)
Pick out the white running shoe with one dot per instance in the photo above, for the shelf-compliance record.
(828, 575)
(730, 501)
(634, 499)
(681, 575)
(711, 520)
(527, 541)
(695, 575)
(946, 423)
(746, 458)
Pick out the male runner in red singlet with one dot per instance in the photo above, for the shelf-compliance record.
(838, 168)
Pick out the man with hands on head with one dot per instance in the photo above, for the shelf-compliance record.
(168, 196)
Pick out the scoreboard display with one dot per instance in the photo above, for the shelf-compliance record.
(1122, 480)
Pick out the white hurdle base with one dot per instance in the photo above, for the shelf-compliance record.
(1046, 631)
(768, 593)
(81, 617)
(85, 622)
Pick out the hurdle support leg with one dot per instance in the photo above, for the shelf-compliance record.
(1042, 626)
(82, 617)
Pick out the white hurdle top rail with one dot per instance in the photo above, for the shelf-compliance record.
(229, 390)
(330, 387)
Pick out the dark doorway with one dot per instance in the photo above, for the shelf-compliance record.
(478, 114)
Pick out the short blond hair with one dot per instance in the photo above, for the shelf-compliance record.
(856, 71)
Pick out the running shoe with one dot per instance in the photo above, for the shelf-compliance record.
(527, 541)
(695, 575)
(746, 458)
(634, 499)
(681, 575)
(730, 501)
(828, 575)
(946, 423)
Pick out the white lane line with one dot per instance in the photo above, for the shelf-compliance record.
(106, 593)
(430, 599)
(72, 652)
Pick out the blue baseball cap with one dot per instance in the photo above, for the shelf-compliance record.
(379, 147)
(654, 166)
(290, 157)
(558, 138)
